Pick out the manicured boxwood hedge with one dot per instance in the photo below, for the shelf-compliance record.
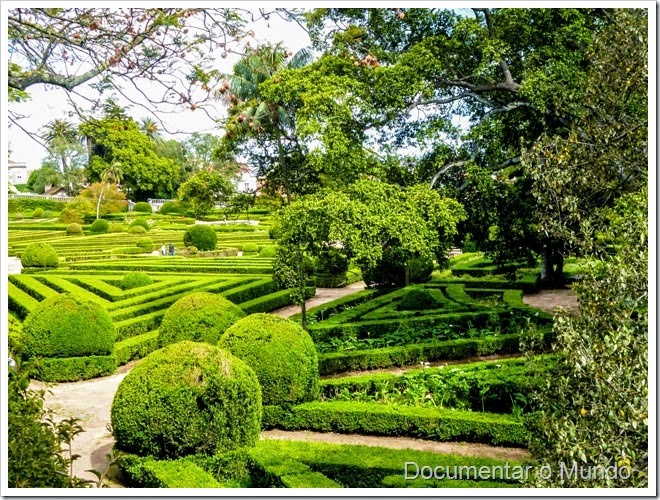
(386, 357)
(149, 473)
(136, 347)
(272, 301)
(40, 255)
(200, 236)
(184, 399)
(99, 226)
(74, 369)
(385, 420)
(280, 352)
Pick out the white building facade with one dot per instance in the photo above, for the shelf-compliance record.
(18, 172)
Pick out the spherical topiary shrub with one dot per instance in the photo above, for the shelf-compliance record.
(64, 327)
(38, 213)
(116, 228)
(143, 207)
(140, 222)
(39, 255)
(417, 300)
(47, 214)
(74, 230)
(134, 280)
(202, 317)
(268, 251)
(191, 251)
(250, 248)
(200, 236)
(171, 207)
(100, 226)
(185, 399)
(18, 216)
(145, 244)
(280, 352)
(136, 230)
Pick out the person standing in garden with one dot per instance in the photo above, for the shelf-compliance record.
(163, 250)
(171, 248)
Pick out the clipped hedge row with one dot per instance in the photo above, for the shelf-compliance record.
(136, 347)
(339, 362)
(149, 473)
(384, 420)
(28, 204)
(359, 466)
(73, 369)
(273, 301)
(273, 470)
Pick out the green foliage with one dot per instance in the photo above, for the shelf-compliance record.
(385, 420)
(391, 270)
(150, 473)
(268, 251)
(200, 236)
(417, 299)
(184, 399)
(75, 368)
(100, 226)
(141, 222)
(331, 267)
(145, 244)
(62, 326)
(134, 280)
(203, 190)
(280, 352)
(142, 206)
(250, 248)
(47, 175)
(74, 230)
(33, 449)
(70, 216)
(594, 409)
(201, 317)
(136, 229)
(39, 255)
(170, 207)
(116, 228)
(18, 216)
(38, 213)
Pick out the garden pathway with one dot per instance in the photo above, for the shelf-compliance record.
(322, 296)
(551, 300)
(14, 265)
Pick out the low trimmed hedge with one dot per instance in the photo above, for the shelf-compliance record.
(73, 369)
(136, 347)
(272, 470)
(379, 419)
(386, 357)
(149, 473)
(273, 301)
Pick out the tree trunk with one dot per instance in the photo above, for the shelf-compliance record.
(98, 203)
(407, 267)
(546, 263)
(559, 268)
(285, 172)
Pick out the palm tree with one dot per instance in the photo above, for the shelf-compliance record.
(149, 127)
(257, 66)
(113, 173)
(59, 134)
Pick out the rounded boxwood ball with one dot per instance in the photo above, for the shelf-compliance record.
(201, 317)
(65, 327)
(74, 229)
(184, 399)
(282, 355)
(200, 236)
(100, 226)
(134, 280)
(142, 206)
(39, 255)
(417, 300)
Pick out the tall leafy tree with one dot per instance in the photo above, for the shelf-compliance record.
(204, 190)
(256, 119)
(64, 143)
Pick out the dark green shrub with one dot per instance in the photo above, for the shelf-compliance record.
(268, 251)
(64, 327)
(200, 236)
(134, 280)
(39, 255)
(38, 212)
(74, 230)
(116, 228)
(142, 206)
(420, 269)
(141, 222)
(18, 216)
(47, 214)
(100, 226)
(274, 231)
(145, 244)
(391, 270)
(136, 230)
(201, 317)
(250, 248)
(170, 207)
(417, 300)
(184, 399)
(280, 352)
(34, 452)
(331, 268)
(70, 216)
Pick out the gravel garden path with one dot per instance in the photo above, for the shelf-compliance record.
(551, 300)
(90, 401)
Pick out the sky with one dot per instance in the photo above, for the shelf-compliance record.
(47, 104)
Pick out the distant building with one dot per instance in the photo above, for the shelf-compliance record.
(247, 181)
(18, 172)
(60, 192)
